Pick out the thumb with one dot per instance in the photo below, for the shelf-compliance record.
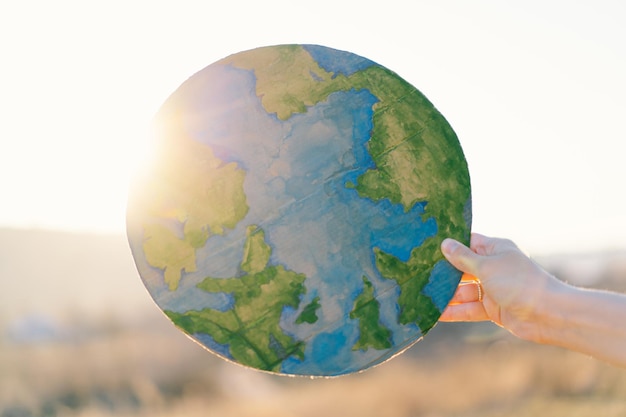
(460, 256)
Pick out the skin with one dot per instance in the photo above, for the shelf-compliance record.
(523, 298)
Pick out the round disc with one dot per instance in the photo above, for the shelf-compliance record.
(291, 216)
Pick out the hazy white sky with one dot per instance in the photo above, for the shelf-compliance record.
(535, 90)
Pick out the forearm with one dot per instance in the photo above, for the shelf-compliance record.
(588, 321)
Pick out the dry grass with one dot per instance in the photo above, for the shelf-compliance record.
(458, 370)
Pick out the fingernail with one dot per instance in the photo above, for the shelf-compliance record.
(448, 245)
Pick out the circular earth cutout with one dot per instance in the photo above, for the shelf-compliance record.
(291, 216)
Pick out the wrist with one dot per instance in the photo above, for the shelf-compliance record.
(551, 310)
(540, 314)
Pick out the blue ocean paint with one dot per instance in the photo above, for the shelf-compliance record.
(442, 284)
(296, 189)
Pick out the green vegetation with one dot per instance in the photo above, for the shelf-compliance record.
(309, 313)
(367, 310)
(251, 329)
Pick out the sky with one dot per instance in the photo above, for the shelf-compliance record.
(535, 91)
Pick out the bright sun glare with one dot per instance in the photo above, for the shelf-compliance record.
(70, 170)
(81, 111)
(534, 91)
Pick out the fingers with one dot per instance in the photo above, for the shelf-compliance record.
(464, 312)
(483, 245)
(466, 304)
(467, 292)
(468, 277)
(460, 256)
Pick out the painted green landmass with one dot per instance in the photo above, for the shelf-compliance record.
(367, 310)
(412, 277)
(166, 251)
(288, 80)
(256, 253)
(418, 158)
(309, 313)
(179, 200)
(417, 155)
(251, 328)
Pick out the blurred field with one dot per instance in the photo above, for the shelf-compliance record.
(79, 336)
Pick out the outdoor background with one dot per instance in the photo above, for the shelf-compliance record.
(534, 90)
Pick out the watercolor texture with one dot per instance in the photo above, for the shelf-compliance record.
(291, 216)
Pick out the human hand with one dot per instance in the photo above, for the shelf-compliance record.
(500, 283)
(505, 286)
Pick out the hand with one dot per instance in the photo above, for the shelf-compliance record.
(512, 285)
(505, 286)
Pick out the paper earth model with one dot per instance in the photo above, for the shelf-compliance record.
(291, 218)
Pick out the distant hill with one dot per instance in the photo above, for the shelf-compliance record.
(602, 270)
(53, 273)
